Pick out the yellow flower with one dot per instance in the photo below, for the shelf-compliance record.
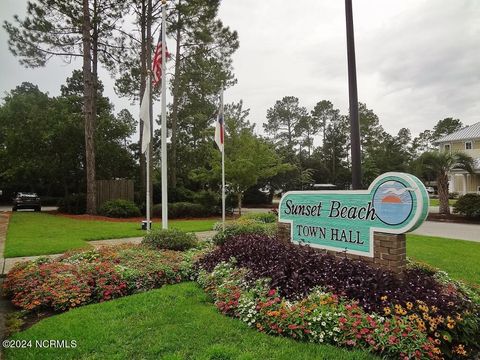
(387, 311)
(384, 298)
(409, 305)
(434, 308)
(450, 325)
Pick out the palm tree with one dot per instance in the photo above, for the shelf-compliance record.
(440, 163)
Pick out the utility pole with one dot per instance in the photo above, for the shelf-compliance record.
(353, 100)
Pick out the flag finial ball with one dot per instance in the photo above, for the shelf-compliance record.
(164, 2)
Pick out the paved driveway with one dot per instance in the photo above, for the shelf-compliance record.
(449, 230)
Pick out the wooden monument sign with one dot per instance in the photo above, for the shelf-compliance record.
(368, 224)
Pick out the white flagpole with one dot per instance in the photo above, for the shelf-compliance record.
(164, 123)
(148, 185)
(223, 162)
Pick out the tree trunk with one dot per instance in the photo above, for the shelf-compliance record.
(88, 93)
(442, 183)
(176, 95)
(239, 196)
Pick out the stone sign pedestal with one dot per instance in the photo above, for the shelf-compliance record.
(390, 252)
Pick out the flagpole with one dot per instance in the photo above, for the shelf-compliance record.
(164, 123)
(223, 164)
(148, 185)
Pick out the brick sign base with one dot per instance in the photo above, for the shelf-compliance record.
(390, 252)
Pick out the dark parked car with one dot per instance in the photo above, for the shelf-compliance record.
(24, 200)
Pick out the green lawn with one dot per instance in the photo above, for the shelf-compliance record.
(459, 258)
(436, 202)
(41, 234)
(174, 322)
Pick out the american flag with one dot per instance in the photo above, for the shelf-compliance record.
(157, 61)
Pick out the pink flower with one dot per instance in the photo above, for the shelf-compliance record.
(392, 340)
(272, 292)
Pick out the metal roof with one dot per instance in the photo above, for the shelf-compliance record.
(467, 133)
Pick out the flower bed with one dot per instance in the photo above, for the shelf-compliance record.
(83, 277)
(295, 291)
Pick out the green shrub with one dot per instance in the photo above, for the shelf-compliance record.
(453, 195)
(265, 218)
(73, 204)
(182, 210)
(241, 227)
(213, 201)
(207, 198)
(180, 194)
(254, 196)
(119, 209)
(468, 205)
(50, 200)
(170, 239)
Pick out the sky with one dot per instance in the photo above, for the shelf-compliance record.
(418, 61)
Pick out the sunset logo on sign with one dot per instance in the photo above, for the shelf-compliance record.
(346, 220)
(393, 202)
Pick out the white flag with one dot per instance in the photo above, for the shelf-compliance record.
(220, 125)
(145, 116)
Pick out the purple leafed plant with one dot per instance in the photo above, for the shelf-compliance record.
(294, 270)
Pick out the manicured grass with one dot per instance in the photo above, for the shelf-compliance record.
(436, 202)
(175, 322)
(459, 258)
(42, 234)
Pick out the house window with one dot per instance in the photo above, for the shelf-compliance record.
(446, 147)
(468, 145)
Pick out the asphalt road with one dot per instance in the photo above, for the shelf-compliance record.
(449, 230)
